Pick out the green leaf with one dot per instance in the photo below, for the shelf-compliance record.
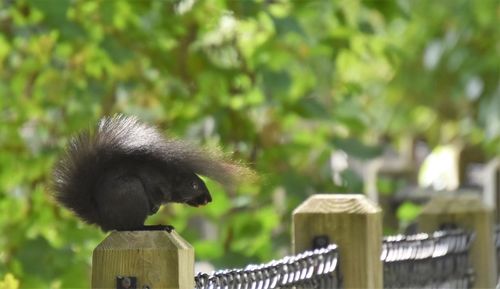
(408, 211)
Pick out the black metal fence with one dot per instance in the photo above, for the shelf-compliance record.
(311, 269)
(438, 260)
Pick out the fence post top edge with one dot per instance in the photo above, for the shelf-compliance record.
(337, 203)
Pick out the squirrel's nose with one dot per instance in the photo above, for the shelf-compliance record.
(200, 200)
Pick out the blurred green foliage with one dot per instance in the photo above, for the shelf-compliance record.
(280, 83)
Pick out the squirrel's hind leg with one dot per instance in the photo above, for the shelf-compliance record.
(122, 204)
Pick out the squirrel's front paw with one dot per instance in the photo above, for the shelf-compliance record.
(168, 228)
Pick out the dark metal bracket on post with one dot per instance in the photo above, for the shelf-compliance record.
(321, 241)
(126, 282)
(448, 226)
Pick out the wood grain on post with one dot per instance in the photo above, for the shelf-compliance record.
(352, 222)
(470, 213)
(157, 259)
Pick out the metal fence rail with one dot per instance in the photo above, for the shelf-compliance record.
(438, 260)
(311, 269)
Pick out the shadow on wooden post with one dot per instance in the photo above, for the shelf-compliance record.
(352, 222)
(468, 212)
(156, 259)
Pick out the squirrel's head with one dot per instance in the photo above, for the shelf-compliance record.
(190, 189)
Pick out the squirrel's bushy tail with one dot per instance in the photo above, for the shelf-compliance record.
(121, 139)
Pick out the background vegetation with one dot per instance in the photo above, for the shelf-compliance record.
(280, 83)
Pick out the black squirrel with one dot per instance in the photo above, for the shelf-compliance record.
(125, 170)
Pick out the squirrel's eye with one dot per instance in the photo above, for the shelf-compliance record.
(195, 186)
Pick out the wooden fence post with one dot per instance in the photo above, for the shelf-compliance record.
(491, 186)
(468, 212)
(352, 222)
(157, 259)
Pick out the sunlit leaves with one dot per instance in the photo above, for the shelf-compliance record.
(9, 282)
